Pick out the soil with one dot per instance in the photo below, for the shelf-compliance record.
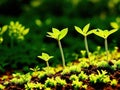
(88, 71)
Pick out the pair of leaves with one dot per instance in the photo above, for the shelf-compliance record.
(45, 57)
(56, 34)
(104, 33)
(85, 31)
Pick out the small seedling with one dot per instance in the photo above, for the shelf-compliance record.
(60, 81)
(58, 35)
(85, 33)
(77, 84)
(16, 31)
(113, 82)
(50, 82)
(104, 34)
(46, 58)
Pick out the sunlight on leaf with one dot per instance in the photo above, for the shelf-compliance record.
(86, 28)
(63, 33)
(114, 25)
(45, 57)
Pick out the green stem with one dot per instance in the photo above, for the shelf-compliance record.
(86, 46)
(106, 48)
(62, 54)
(48, 68)
(47, 64)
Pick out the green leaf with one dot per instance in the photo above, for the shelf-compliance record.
(45, 57)
(86, 28)
(79, 30)
(25, 31)
(63, 33)
(55, 31)
(112, 31)
(3, 29)
(90, 32)
(114, 25)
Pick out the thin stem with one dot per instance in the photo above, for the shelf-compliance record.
(47, 64)
(106, 48)
(62, 54)
(86, 46)
(48, 68)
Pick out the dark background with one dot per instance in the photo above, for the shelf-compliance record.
(41, 15)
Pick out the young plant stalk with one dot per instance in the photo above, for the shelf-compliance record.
(86, 46)
(106, 48)
(61, 51)
(85, 33)
(104, 34)
(58, 35)
(47, 64)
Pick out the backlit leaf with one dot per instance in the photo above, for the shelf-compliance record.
(45, 57)
(25, 31)
(55, 31)
(86, 28)
(112, 31)
(79, 30)
(63, 33)
(114, 25)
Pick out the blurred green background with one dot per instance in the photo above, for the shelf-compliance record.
(41, 15)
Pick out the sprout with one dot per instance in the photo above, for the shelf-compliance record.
(104, 34)
(17, 31)
(113, 82)
(58, 35)
(60, 81)
(85, 33)
(46, 58)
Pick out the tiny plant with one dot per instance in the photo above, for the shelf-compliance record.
(16, 31)
(85, 33)
(58, 35)
(60, 81)
(113, 82)
(104, 34)
(50, 82)
(46, 58)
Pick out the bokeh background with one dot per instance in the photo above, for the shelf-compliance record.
(41, 15)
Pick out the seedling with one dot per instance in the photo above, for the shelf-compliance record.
(85, 33)
(60, 81)
(113, 82)
(58, 35)
(16, 31)
(35, 71)
(82, 76)
(50, 82)
(74, 77)
(46, 58)
(104, 34)
(31, 86)
(77, 84)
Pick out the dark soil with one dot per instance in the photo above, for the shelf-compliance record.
(88, 71)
